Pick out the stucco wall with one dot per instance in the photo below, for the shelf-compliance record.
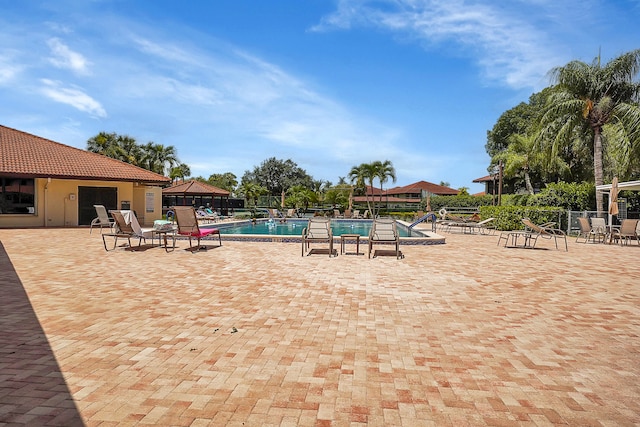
(56, 203)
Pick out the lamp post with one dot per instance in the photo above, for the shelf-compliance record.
(497, 173)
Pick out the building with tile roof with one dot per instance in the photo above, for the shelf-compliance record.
(411, 194)
(45, 183)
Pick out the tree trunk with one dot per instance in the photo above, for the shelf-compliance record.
(597, 167)
(527, 181)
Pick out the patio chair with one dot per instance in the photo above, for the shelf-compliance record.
(384, 231)
(589, 233)
(126, 227)
(318, 230)
(102, 220)
(628, 231)
(337, 214)
(546, 231)
(356, 214)
(188, 226)
(485, 226)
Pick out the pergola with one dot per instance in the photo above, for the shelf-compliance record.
(196, 193)
(627, 185)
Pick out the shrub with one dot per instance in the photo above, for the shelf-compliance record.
(510, 217)
(568, 195)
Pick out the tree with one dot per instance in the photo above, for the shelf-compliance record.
(300, 197)
(252, 192)
(157, 158)
(227, 181)
(384, 171)
(180, 171)
(589, 97)
(107, 144)
(277, 176)
(154, 157)
(520, 157)
(359, 175)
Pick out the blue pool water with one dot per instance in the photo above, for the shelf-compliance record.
(294, 227)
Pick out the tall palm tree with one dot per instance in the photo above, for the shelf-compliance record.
(384, 171)
(359, 175)
(157, 157)
(592, 96)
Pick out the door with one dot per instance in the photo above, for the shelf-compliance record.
(89, 196)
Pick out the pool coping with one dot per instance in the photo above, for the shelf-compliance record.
(432, 239)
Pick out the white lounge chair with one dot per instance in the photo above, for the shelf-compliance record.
(102, 220)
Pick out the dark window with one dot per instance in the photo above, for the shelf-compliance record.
(17, 195)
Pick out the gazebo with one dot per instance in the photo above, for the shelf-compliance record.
(196, 193)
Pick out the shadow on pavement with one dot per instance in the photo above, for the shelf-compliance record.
(32, 388)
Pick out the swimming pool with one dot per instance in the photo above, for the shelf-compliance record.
(291, 231)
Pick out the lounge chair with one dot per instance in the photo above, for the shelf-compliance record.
(127, 226)
(589, 232)
(356, 214)
(384, 231)
(546, 231)
(290, 213)
(318, 230)
(188, 226)
(102, 220)
(337, 214)
(485, 226)
(628, 231)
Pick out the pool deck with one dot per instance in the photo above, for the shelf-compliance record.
(253, 334)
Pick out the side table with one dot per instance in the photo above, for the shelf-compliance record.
(164, 234)
(343, 241)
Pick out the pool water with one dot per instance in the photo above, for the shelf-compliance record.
(294, 227)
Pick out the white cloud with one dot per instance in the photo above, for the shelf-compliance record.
(64, 57)
(72, 96)
(8, 69)
(506, 45)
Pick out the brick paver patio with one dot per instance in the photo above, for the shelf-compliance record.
(253, 334)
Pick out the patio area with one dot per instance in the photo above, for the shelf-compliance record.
(253, 334)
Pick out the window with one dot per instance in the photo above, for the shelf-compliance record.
(17, 195)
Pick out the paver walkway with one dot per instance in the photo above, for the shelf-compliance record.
(253, 334)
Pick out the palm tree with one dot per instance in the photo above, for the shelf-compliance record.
(384, 171)
(157, 157)
(591, 96)
(106, 144)
(252, 192)
(521, 156)
(359, 176)
(179, 171)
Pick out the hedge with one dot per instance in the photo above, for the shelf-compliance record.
(510, 217)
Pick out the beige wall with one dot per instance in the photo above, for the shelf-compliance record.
(57, 203)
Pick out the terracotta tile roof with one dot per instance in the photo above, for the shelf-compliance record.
(429, 187)
(194, 188)
(386, 199)
(484, 179)
(23, 154)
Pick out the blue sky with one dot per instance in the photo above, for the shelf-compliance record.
(328, 84)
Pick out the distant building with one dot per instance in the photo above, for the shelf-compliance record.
(44, 183)
(411, 194)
